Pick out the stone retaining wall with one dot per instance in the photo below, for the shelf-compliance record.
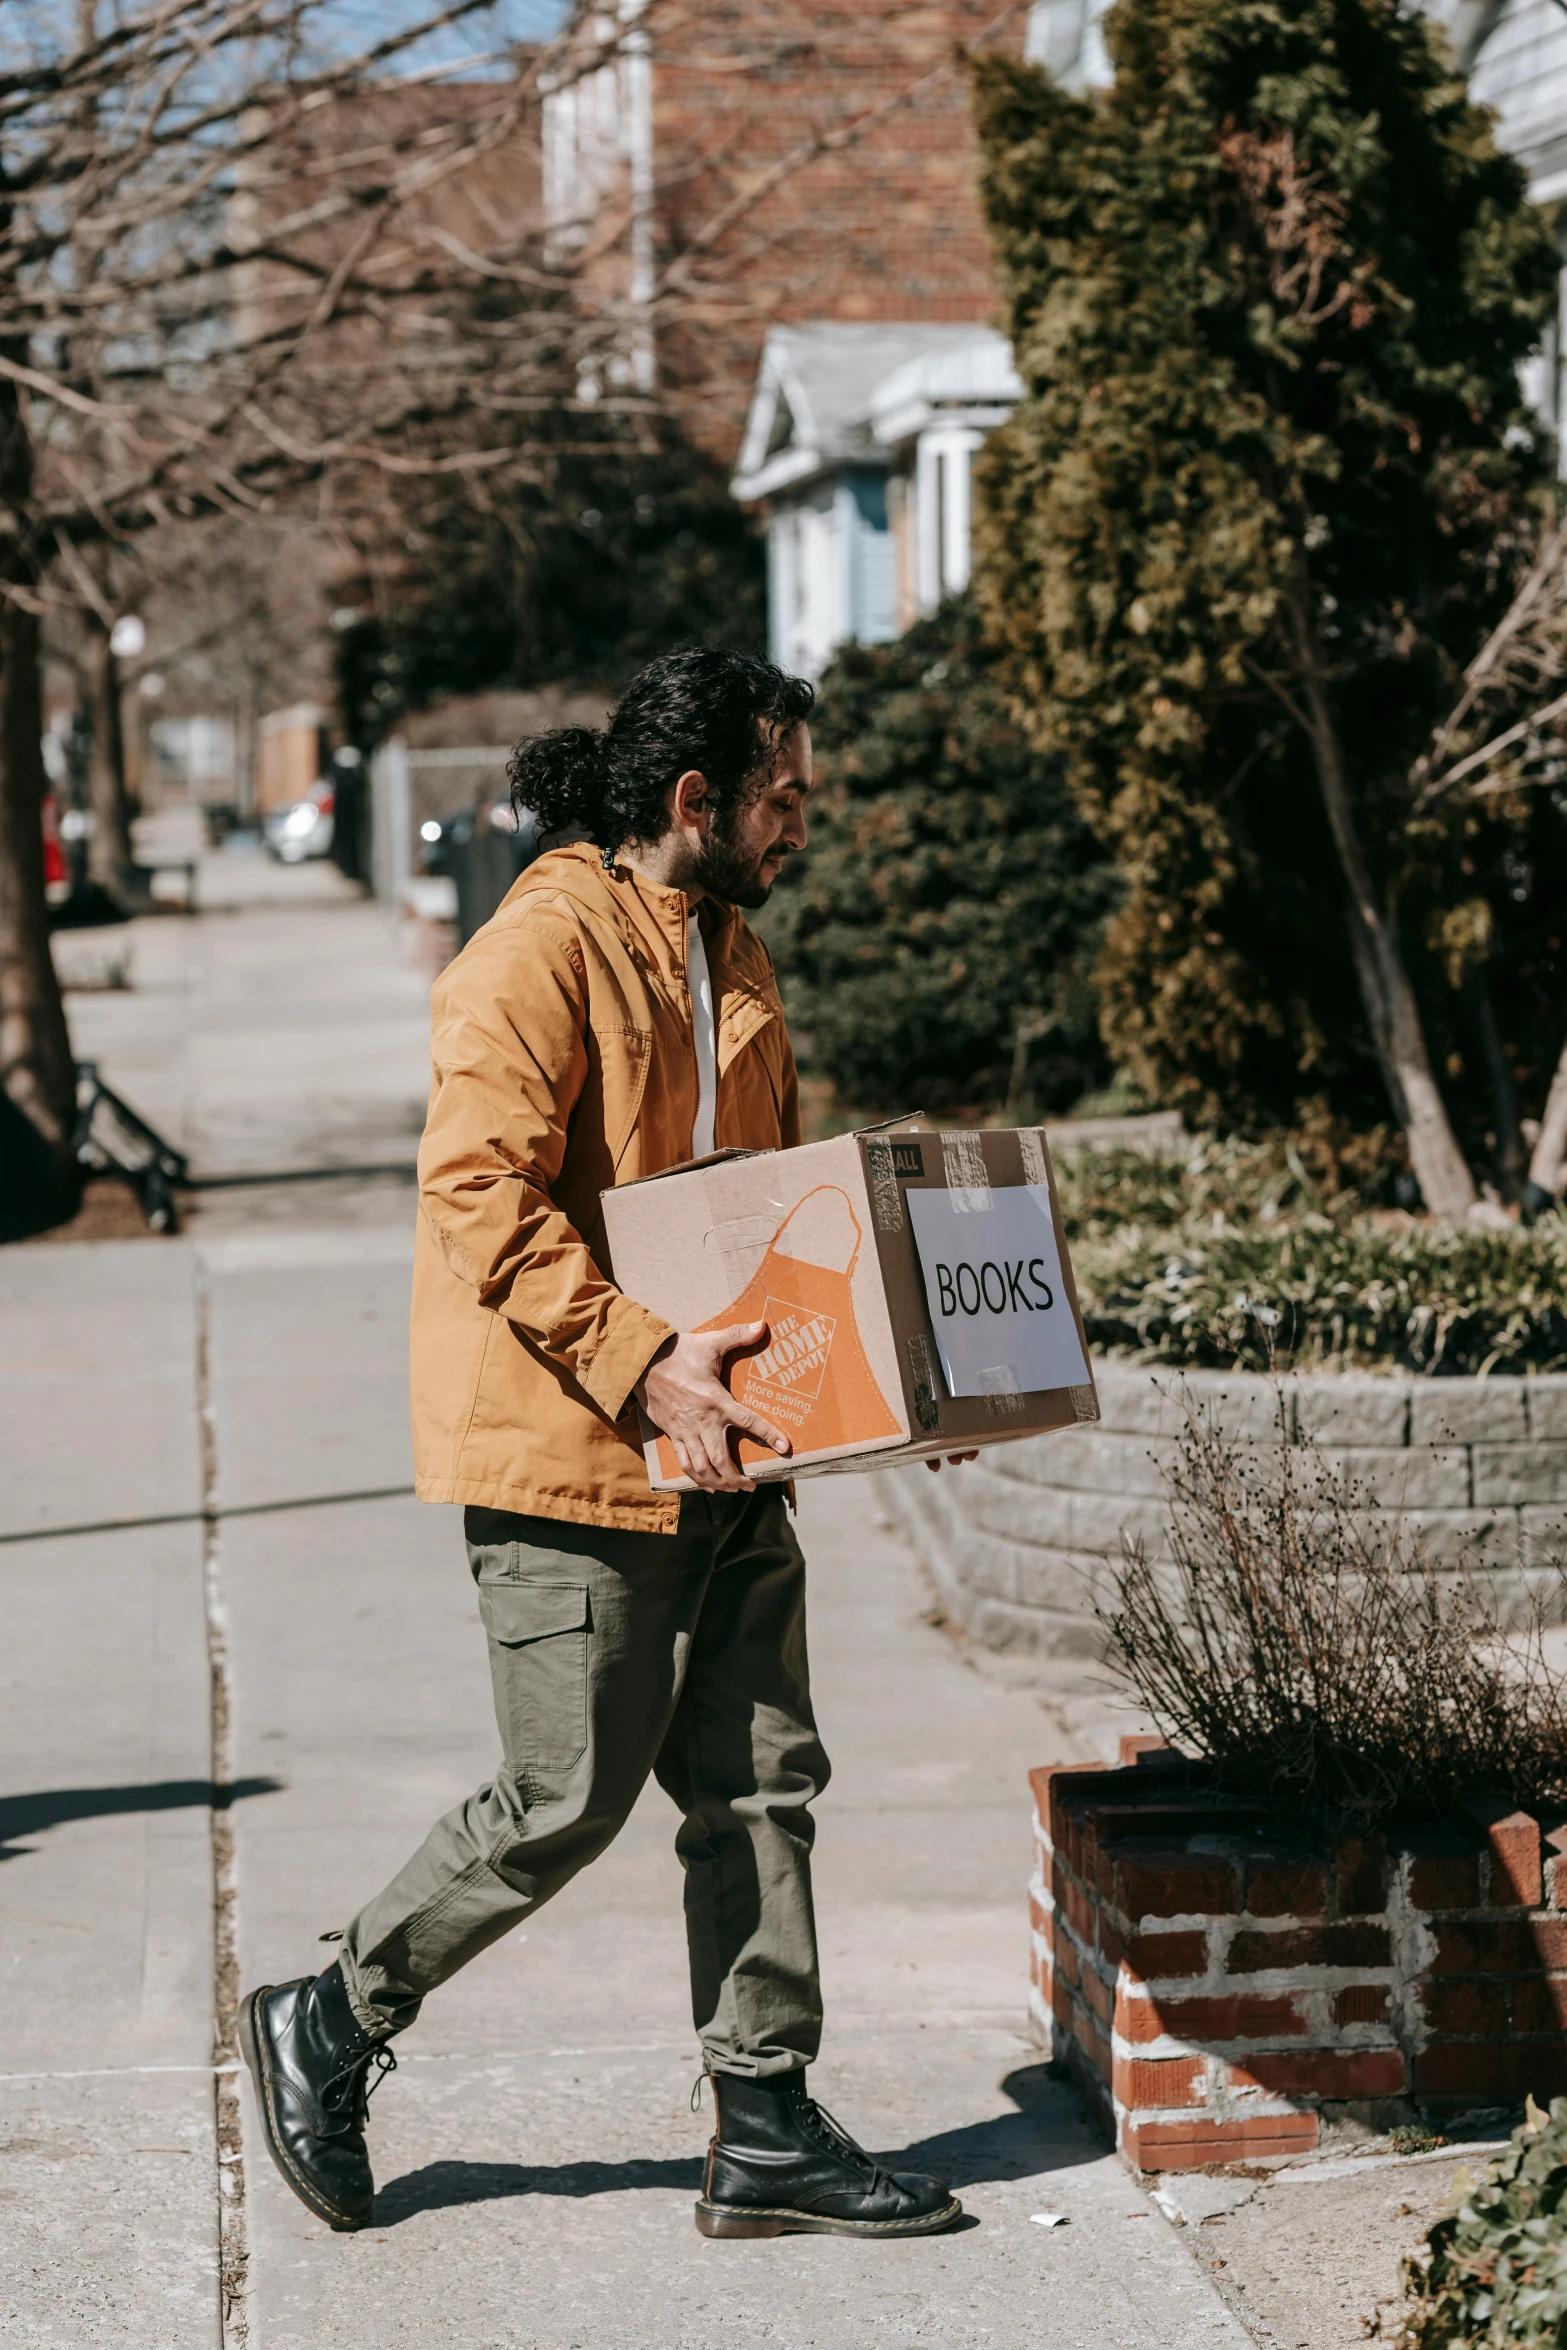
(1019, 1542)
(1221, 1992)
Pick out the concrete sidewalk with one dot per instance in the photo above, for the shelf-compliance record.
(107, 2155)
(278, 1029)
(209, 1546)
(536, 2150)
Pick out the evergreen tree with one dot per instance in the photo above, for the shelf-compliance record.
(937, 943)
(1272, 481)
(581, 577)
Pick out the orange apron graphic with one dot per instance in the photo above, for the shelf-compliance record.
(811, 1379)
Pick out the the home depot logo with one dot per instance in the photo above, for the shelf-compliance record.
(798, 1344)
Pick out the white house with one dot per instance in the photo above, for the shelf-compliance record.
(860, 440)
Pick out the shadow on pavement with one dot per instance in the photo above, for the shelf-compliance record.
(441, 2184)
(30, 1815)
(1045, 2134)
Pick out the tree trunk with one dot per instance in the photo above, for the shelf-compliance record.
(39, 1184)
(109, 842)
(1550, 1152)
(1505, 1121)
(1385, 986)
(247, 721)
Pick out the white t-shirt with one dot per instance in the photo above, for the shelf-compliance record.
(703, 1037)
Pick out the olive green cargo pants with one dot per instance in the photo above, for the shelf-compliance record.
(614, 1655)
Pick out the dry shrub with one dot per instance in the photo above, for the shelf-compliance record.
(1304, 1646)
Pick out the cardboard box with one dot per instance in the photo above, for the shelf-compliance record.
(915, 1284)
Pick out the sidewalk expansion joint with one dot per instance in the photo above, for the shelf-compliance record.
(208, 1515)
(119, 2072)
(233, 2250)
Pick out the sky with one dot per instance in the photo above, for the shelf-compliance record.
(355, 24)
(38, 31)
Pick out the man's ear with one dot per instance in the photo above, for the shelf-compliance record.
(692, 800)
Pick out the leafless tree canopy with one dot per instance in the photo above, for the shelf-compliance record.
(250, 272)
(231, 261)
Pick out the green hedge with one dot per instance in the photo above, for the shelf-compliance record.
(1236, 1259)
(1494, 2273)
(951, 893)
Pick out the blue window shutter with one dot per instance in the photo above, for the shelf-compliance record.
(872, 601)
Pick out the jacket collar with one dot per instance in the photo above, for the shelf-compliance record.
(651, 921)
(656, 915)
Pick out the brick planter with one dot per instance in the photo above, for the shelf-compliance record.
(1221, 1992)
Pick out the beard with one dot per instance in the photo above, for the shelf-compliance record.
(726, 869)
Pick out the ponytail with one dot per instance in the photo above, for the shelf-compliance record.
(560, 778)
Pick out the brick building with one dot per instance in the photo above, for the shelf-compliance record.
(722, 171)
(412, 187)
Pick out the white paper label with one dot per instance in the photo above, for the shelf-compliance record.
(993, 1285)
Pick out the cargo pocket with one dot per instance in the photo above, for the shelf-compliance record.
(538, 1636)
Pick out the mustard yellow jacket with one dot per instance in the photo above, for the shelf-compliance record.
(563, 1064)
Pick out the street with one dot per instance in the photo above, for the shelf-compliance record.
(213, 1567)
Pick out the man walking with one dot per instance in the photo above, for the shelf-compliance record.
(616, 1017)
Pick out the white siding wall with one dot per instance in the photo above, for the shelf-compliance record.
(829, 574)
(943, 510)
(1067, 37)
(597, 122)
(808, 605)
(1522, 72)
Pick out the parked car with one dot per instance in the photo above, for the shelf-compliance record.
(305, 829)
(482, 849)
(57, 871)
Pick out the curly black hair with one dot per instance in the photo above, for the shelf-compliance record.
(723, 713)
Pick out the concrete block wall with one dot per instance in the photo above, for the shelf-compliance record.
(1221, 1992)
(1021, 1542)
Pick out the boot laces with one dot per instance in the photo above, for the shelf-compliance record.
(836, 2138)
(824, 2129)
(346, 2094)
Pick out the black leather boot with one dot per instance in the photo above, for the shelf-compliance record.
(310, 2058)
(780, 2166)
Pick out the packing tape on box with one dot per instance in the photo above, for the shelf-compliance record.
(1031, 1143)
(927, 1391)
(968, 1178)
(886, 1199)
(1002, 1390)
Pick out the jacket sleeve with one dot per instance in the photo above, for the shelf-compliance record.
(788, 1075)
(789, 1099)
(509, 1060)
